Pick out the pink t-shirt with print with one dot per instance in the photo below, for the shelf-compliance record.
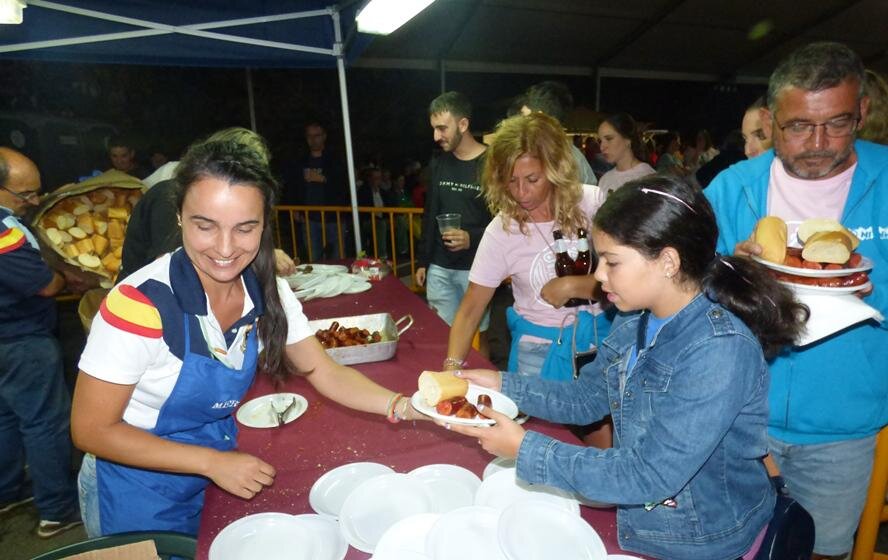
(529, 260)
(795, 200)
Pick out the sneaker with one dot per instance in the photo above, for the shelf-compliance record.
(9, 506)
(47, 529)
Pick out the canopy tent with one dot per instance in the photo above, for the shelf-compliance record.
(240, 33)
(698, 40)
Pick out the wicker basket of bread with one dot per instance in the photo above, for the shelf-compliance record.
(85, 223)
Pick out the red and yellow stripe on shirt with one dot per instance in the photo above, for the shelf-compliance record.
(11, 239)
(129, 310)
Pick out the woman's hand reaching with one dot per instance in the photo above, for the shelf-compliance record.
(240, 474)
(481, 377)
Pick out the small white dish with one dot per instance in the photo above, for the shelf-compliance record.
(805, 289)
(468, 533)
(499, 402)
(450, 486)
(377, 504)
(502, 489)
(406, 537)
(497, 465)
(321, 268)
(332, 543)
(270, 536)
(532, 530)
(261, 412)
(329, 492)
(357, 286)
(865, 264)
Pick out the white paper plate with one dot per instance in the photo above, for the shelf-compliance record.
(401, 555)
(377, 504)
(305, 281)
(260, 412)
(358, 286)
(450, 486)
(499, 401)
(322, 268)
(540, 531)
(803, 289)
(329, 492)
(468, 533)
(865, 264)
(270, 536)
(501, 490)
(332, 543)
(304, 294)
(406, 537)
(497, 465)
(622, 557)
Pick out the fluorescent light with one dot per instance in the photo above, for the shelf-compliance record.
(381, 17)
(11, 11)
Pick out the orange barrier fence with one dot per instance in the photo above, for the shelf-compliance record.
(391, 233)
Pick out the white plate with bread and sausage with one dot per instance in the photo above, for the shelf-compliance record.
(437, 388)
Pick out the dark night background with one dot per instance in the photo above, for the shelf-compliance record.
(165, 108)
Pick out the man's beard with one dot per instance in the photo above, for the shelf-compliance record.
(451, 145)
(793, 168)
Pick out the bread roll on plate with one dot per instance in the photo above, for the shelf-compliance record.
(437, 386)
(770, 233)
(827, 247)
(817, 225)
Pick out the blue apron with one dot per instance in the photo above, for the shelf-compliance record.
(559, 363)
(197, 412)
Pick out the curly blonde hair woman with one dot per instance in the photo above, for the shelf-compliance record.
(531, 184)
(876, 127)
(539, 136)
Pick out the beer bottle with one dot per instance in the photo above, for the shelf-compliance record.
(583, 265)
(564, 265)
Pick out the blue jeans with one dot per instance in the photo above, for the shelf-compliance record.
(317, 242)
(830, 480)
(35, 412)
(88, 489)
(445, 288)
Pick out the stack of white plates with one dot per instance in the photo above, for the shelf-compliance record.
(435, 512)
(325, 280)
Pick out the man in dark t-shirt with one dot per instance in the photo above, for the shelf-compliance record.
(445, 257)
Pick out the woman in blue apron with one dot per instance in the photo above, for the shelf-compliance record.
(177, 344)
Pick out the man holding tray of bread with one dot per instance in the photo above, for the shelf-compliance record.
(827, 399)
(34, 402)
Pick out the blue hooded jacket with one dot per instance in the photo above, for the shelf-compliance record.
(837, 388)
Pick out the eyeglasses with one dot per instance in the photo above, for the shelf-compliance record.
(27, 196)
(835, 128)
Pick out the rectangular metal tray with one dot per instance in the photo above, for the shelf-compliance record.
(390, 330)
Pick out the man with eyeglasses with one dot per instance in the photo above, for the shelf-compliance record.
(34, 402)
(830, 398)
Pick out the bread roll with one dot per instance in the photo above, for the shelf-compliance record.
(827, 247)
(817, 225)
(770, 233)
(435, 386)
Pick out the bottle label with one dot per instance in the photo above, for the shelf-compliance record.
(582, 244)
(560, 246)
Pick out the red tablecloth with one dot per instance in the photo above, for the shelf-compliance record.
(329, 435)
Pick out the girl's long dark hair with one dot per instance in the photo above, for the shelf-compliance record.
(626, 127)
(241, 159)
(662, 211)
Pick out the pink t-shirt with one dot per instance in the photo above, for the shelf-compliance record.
(530, 262)
(795, 200)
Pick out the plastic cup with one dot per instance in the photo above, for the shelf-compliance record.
(447, 222)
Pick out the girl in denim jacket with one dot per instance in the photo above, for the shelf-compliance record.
(683, 374)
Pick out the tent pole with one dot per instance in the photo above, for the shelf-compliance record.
(250, 99)
(346, 129)
(597, 90)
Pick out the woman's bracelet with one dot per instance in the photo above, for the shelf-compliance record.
(402, 404)
(455, 363)
(390, 407)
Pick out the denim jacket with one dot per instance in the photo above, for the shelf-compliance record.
(689, 434)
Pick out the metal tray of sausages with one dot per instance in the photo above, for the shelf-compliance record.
(385, 349)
